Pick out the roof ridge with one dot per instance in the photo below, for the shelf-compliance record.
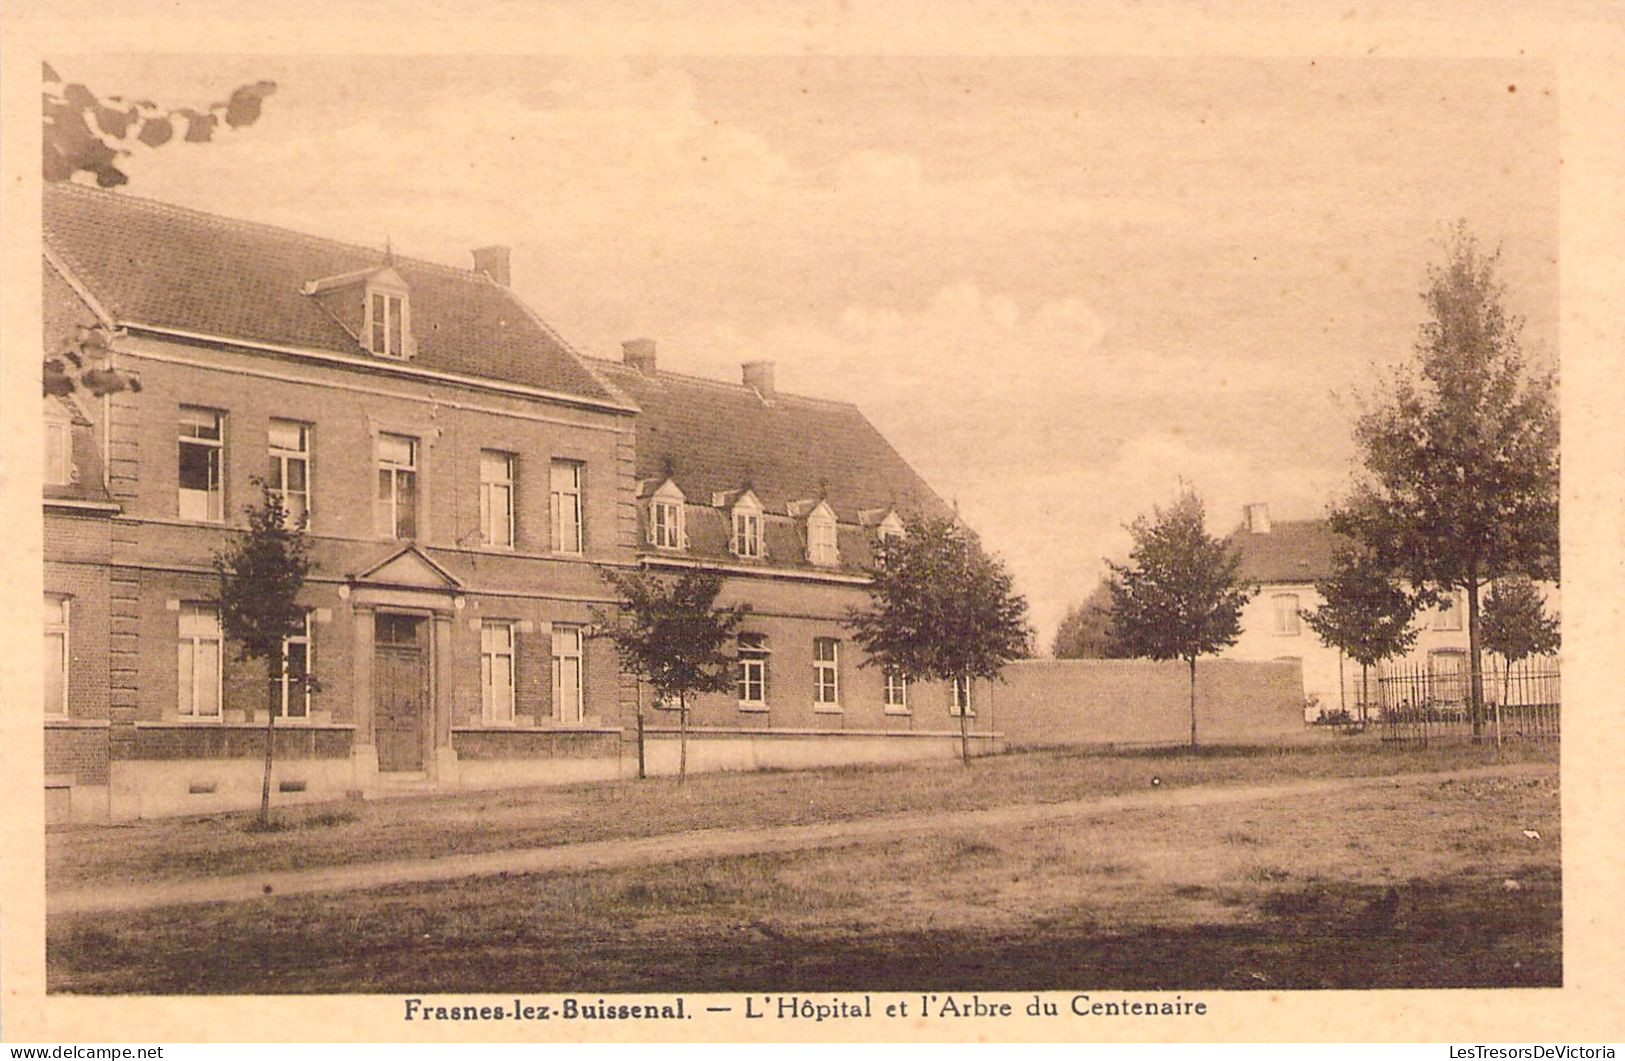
(720, 384)
(244, 224)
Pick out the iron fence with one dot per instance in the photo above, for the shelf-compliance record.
(1419, 702)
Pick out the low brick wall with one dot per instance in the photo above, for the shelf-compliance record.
(1089, 701)
(209, 741)
(497, 744)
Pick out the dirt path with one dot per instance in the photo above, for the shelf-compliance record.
(709, 843)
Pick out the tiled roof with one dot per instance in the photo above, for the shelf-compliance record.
(1291, 551)
(166, 266)
(714, 438)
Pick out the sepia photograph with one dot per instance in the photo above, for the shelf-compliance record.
(772, 529)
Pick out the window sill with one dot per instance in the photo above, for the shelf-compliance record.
(900, 711)
(68, 722)
(754, 708)
(828, 709)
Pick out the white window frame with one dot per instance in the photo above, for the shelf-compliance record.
(382, 339)
(61, 627)
(282, 458)
(497, 522)
(894, 693)
(753, 654)
(826, 674)
(59, 469)
(823, 538)
(391, 506)
(197, 641)
(289, 694)
(962, 697)
(746, 539)
(1288, 623)
(214, 496)
(492, 709)
(665, 523)
(1448, 612)
(565, 501)
(569, 636)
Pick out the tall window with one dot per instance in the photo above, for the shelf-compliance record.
(289, 443)
(202, 452)
(960, 694)
(747, 533)
(826, 672)
(58, 451)
(1286, 614)
(666, 524)
(496, 671)
(297, 667)
(396, 514)
(896, 693)
(198, 675)
(56, 654)
(387, 324)
(496, 498)
(821, 542)
(1447, 616)
(752, 670)
(566, 498)
(567, 683)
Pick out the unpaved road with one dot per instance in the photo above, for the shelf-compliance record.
(711, 843)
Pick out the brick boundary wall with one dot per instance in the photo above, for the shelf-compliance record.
(1087, 701)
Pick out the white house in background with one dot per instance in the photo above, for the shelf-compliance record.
(1283, 559)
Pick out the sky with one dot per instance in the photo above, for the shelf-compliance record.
(1061, 287)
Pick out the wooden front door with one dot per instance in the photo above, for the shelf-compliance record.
(400, 696)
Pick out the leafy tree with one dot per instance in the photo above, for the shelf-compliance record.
(940, 609)
(82, 129)
(1086, 633)
(1177, 598)
(1367, 614)
(1515, 626)
(1459, 478)
(261, 573)
(79, 136)
(84, 362)
(670, 633)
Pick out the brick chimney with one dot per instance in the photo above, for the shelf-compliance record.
(1258, 518)
(640, 354)
(493, 262)
(759, 375)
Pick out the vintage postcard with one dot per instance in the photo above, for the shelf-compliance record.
(888, 523)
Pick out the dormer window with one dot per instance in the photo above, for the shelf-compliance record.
(666, 530)
(747, 519)
(822, 547)
(388, 323)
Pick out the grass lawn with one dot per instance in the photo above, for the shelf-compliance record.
(429, 827)
(1268, 894)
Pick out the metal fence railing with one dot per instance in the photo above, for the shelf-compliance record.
(1424, 701)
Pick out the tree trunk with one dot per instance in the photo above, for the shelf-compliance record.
(270, 732)
(639, 701)
(682, 738)
(1475, 666)
(1506, 690)
(1192, 661)
(964, 726)
(1365, 690)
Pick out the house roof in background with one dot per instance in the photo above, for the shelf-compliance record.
(1291, 551)
(164, 266)
(716, 438)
